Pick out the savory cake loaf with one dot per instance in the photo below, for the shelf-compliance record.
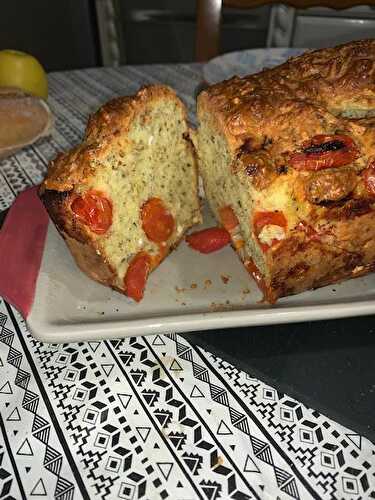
(124, 198)
(287, 158)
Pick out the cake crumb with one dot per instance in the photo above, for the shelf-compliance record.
(224, 278)
(193, 285)
(207, 283)
(220, 306)
(246, 291)
(179, 290)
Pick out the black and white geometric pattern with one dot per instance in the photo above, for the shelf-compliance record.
(150, 417)
(154, 417)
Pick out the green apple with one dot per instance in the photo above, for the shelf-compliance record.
(23, 71)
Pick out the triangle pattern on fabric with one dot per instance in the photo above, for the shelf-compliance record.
(257, 444)
(25, 449)
(14, 416)
(107, 368)
(187, 355)
(38, 423)
(94, 346)
(291, 488)
(163, 417)
(7, 336)
(265, 455)
(124, 399)
(158, 341)
(138, 377)
(281, 476)
(165, 468)
(51, 455)
(3, 319)
(149, 397)
(198, 369)
(143, 432)
(356, 439)
(180, 347)
(193, 462)
(243, 425)
(235, 415)
(196, 392)
(175, 366)
(31, 404)
(22, 379)
(62, 487)
(43, 435)
(250, 465)
(6, 389)
(39, 489)
(223, 429)
(210, 491)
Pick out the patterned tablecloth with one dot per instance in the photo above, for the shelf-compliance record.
(150, 417)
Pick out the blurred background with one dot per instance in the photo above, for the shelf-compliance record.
(72, 34)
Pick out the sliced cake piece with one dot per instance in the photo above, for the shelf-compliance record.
(124, 198)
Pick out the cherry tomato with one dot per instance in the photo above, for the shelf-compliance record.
(157, 222)
(262, 219)
(228, 218)
(208, 240)
(325, 151)
(136, 276)
(94, 210)
(369, 178)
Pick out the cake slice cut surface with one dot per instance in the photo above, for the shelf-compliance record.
(124, 198)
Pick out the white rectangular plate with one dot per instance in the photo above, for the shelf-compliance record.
(188, 292)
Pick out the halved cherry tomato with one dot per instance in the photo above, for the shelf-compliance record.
(325, 151)
(369, 178)
(157, 222)
(208, 240)
(136, 276)
(94, 210)
(262, 219)
(228, 218)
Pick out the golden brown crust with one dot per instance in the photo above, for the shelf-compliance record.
(90, 262)
(109, 124)
(257, 107)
